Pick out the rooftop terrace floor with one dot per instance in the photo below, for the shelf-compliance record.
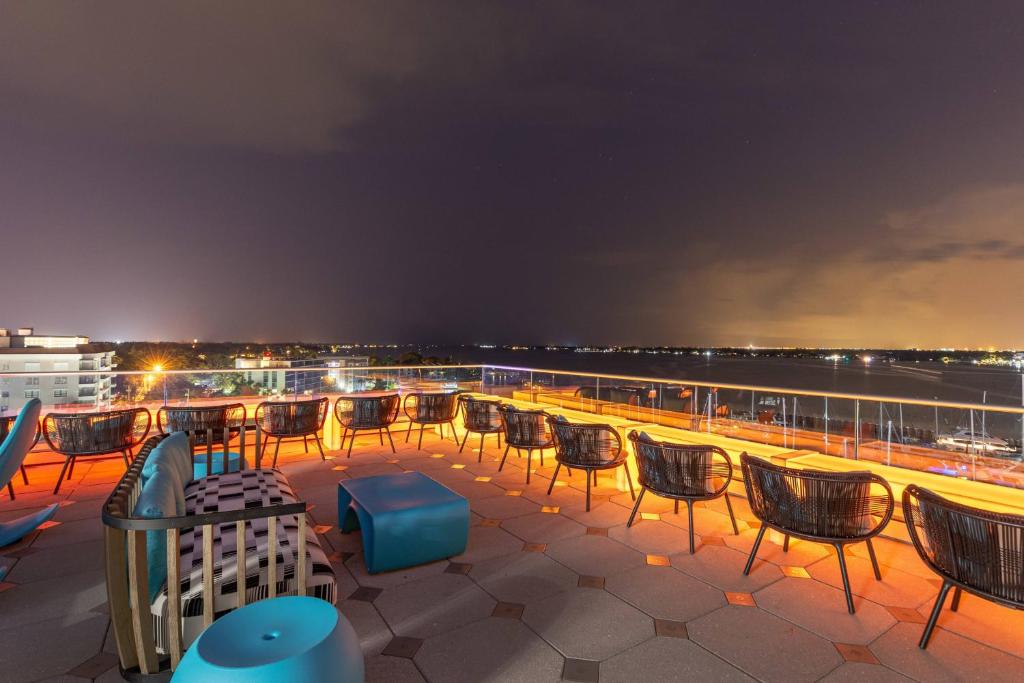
(546, 591)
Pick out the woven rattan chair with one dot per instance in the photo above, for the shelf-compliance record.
(480, 416)
(6, 423)
(685, 473)
(200, 421)
(838, 508)
(80, 435)
(432, 408)
(374, 413)
(973, 550)
(525, 429)
(588, 447)
(291, 420)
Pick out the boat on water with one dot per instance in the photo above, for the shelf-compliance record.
(968, 441)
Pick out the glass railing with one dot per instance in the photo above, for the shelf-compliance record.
(964, 440)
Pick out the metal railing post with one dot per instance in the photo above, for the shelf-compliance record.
(856, 429)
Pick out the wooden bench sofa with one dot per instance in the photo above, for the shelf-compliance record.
(172, 555)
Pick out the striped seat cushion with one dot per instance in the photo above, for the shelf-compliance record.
(236, 491)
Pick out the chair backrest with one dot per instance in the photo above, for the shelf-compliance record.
(525, 428)
(584, 444)
(980, 549)
(822, 505)
(7, 424)
(435, 406)
(367, 412)
(480, 415)
(292, 418)
(198, 419)
(23, 434)
(96, 433)
(681, 470)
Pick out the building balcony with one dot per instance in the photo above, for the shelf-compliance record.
(548, 590)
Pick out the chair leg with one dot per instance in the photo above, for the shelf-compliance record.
(277, 447)
(785, 544)
(380, 435)
(319, 447)
(352, 442)
(60, 478)
(24, 475)
(499, 439)
(344, 435)
(420, 445)
(463, 444)
(732, 517)
(387, 430)
(629, 480)
(455, 434)
(588, 490)
(480, 453)
(636, 506)
(955, 605)
(677, 507)
(926, 636)
(846, 578)
(10, 490)
(550, 487)
(878, 574)
(305, 444)
(753, 551)
(408, 432)
(503, 457)
(689, 512)
(529, 464)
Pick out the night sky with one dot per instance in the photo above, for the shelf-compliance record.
(554, 172)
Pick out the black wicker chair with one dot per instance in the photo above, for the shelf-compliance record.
(291, 420)
(431, 408)
(6, 422)
(201, 421)
(973, 550)
(78, 435)
(480, 416)
(374, 413)
(682, 472)
(525, 429)
(838, 508)
(588, 447)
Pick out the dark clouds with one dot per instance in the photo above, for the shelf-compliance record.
(708, 173)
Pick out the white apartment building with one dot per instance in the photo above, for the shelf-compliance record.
(27, 352)
(286, 375)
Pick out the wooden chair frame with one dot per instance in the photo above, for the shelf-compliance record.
(127, 570)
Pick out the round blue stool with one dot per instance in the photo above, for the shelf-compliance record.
(199, 464)
(280, 639)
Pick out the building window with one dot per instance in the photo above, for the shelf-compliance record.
(5, 394)
(5, 367)
(32, 393)
(60, 365)
(60, 393)
(60, 380)
(32, 381)
(31, 367)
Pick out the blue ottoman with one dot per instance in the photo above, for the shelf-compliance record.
(406, 519)
(281, 639)
(199, 464)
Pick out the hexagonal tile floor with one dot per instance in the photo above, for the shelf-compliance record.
(561, 594)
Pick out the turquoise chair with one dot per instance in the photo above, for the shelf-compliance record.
(13, 450)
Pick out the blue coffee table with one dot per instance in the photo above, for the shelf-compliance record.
(406, 519)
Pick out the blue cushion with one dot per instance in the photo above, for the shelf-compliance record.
(159, 498)
(173, 452)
